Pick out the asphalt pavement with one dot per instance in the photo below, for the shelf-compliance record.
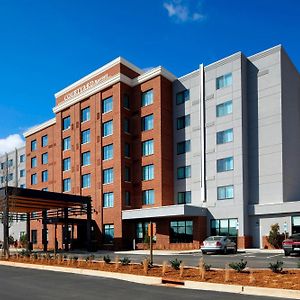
(254, 260)
(27, 284)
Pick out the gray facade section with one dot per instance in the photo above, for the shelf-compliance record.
(265, 119)
(17, 177)
(191, 82)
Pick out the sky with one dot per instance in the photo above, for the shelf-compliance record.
(47, 45)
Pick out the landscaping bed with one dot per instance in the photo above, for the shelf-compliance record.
(283, 279)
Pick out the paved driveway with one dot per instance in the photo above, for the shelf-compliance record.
(26, 284)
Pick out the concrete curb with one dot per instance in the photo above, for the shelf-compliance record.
(121, 276)
(206, 286)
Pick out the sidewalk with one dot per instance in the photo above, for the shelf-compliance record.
(195, 251)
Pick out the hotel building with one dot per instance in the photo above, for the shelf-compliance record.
(211, 152)
(13, 165)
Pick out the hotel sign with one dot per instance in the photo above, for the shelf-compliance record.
(85, 87)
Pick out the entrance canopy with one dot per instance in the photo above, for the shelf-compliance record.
(27, 200)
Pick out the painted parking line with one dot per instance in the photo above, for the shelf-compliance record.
(274, 256)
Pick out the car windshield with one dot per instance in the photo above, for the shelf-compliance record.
(214, 238)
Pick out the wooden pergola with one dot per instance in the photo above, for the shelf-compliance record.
(21, 201)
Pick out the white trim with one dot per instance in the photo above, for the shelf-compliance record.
(39, 127)
(265, 52)
(223, 61)
(118, 60)
(158, 71)
(202, 128)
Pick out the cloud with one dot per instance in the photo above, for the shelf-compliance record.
(183, 10)
(147, 69)
(10, 143)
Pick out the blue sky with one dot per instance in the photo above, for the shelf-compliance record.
(46, 45)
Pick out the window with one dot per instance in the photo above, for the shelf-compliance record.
(183, 122)
(127, 176)
(33, 162)
(224, 81)
(22, 173)
(148, 172)
(86, 158)
(34, 236)
(22, 186)
(127, 198)
(108, 152)
(2, 166)
(107, 105)
(108, 175)
(108, 199)
(2, 179)
(295, 224)
(182, 97)
(147, 147)
(225, 164)
(67, 164)
(45, 189)
(107, 128)
(66, 124)
(126, 125)
(86, 181)
(183, 147)
(184, 172)
(147, 98)
(224, 109)
(45, 176)
(127, 150)
(225, 192)
(33, 145)
(184, 197)
(44, 140)
(85, 136)
(10, 163)
(66, 143)
(126, 102)
(148, 197)
(85, 114)
(225, 136)
(108, 234)
(45, 158)
(10, 176)
(34, 178)
(224, 227)
(22, 159)
(181, 231)
(147, 122)
(67, 185)
(142, 232)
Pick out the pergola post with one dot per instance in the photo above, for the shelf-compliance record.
(66, 229)
(28, 231)
(6, 225)
(88, 226)
(44, 232)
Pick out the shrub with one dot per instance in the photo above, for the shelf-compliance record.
(238, 266)
(125, 261)
(276, 267)
(75, 258)
(106, 259)
(23, 241)
(25, 253)
(90, 258)
(175, 263)
(207, 267)
(275, 238)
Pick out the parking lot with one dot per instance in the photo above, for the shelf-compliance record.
(254, 259)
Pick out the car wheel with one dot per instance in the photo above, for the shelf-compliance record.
(287, 253)
(234, 251)
(224, 250)
(204, 252)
